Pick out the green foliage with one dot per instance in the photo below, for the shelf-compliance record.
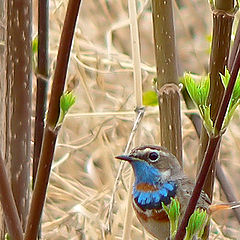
(150, 98)
(7, 237)
(209, 40)
(35, 53)
(235, 98)
(66, 102)
(35, 45)
(173, 212)
(196, 225)
(198, 91)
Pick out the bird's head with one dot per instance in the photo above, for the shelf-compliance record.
(152, 164)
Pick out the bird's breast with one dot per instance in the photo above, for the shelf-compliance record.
(148, 197)
(156, 222)
(150, 214)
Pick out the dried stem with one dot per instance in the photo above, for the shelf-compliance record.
(137, 75)
(164, 38)
(118, 177)
(210, 151)
(51, 130)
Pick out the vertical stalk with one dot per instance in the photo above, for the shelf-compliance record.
(211, 149)
(221, 176)
(137, 76)
(51, 129)
(224, 5)
(167, 77)
(3, 87)
(42, 84)
(12, 219)
(19, 89)
(222, 28)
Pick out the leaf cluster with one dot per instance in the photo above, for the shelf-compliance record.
(66, 102)
(196, 224)
(173, 212)
(198, 91)
(235, 98)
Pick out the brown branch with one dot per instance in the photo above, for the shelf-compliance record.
(211, 149)
(12, 219)
(51, 130)
(221, 176)
(42, 84)
(62, 61)
(222, 26)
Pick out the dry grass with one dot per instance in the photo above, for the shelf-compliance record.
(99, 125)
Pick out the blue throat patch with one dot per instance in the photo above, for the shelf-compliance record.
(154, 199)
(146, 173)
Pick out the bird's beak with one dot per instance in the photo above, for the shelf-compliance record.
(124, 157)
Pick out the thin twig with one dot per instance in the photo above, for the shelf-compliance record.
(137, 76)
(118, 177)
(51, 129)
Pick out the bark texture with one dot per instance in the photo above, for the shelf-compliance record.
(167, 77)
(18, 101)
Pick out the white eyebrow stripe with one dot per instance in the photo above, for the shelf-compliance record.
(163, 153)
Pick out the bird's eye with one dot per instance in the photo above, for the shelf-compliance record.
(153, 156)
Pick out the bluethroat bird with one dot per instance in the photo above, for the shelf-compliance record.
(158, 177)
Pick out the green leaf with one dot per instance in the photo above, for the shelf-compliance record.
(173, 212)
(35, 45)
(196, 224)
(235, 98)
(230, 113)
(198, 91)
(66, 102)
(208, 123)
(150, 98)
(7, 237)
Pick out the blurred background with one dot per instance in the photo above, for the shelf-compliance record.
(99, 124)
